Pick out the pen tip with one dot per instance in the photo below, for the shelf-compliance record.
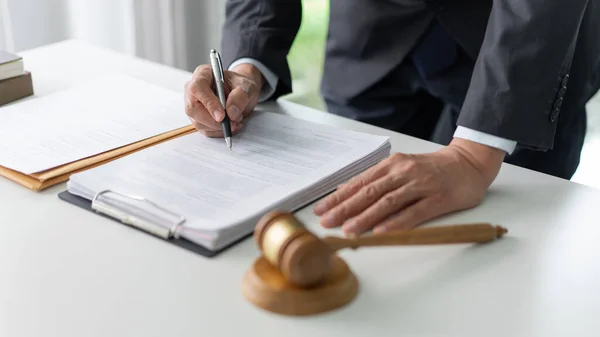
(213, 51)
(228, 141)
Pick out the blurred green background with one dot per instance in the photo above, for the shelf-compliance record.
(307, 54)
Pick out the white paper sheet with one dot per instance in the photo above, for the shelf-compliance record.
(101, 115)
(274, 157)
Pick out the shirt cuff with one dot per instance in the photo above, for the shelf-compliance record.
(486, 139)
(271, 79)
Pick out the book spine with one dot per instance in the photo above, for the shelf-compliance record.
(15, 88)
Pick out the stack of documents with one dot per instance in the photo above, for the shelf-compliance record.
(193, 186)
(46, 139)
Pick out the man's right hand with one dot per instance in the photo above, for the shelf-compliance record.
(242, 88)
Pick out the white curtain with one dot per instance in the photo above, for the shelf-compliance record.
(6, 37)
(178, 33)
(160, 32)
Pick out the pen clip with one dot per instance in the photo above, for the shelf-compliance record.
(220, 67)
(215, 60)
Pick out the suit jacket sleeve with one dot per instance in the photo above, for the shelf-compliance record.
(263, 30)
(521, 73)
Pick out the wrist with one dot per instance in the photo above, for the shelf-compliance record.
(251, 72)
(485, 159)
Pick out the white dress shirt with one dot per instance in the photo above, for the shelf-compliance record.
(461, 131)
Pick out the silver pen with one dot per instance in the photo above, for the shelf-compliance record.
(217, 67)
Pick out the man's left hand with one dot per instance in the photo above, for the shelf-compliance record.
(406, 190)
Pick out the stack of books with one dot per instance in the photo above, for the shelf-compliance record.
(15, 81)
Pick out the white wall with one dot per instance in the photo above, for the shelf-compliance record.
(38, 22)
(106, 23)
(131, 26)
(203, 31)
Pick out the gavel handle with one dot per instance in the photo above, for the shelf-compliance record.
(467, 233)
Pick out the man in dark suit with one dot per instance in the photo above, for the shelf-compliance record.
(487, 78)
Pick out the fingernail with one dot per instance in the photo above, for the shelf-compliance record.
(328, 220)
(351, 235)
(349, 226)
(349, 232)
(319, 208)
(218, 115)
(379, 229)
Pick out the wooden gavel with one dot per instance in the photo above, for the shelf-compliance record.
(304, 259)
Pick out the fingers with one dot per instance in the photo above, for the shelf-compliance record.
(349, 189)
(361, 200)
(213, 133)
(237, 101)
(412, 216)
(204, 108)
(391, 203)
(200, 88)
(198, 113)
(402, 192)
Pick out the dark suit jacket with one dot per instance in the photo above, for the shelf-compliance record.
(527, 52)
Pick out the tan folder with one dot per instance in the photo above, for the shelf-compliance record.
(42, 180)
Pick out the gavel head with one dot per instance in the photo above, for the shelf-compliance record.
(302, 258)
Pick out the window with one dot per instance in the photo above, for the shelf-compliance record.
(307, 53)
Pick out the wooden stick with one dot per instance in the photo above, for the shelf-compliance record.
(467, 233)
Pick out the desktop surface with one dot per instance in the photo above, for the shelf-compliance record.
(67, 272)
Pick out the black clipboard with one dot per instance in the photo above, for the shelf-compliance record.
(180, 242)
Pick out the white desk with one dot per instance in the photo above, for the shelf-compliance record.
(69, 273)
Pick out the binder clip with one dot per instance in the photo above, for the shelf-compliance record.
(137, 216)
